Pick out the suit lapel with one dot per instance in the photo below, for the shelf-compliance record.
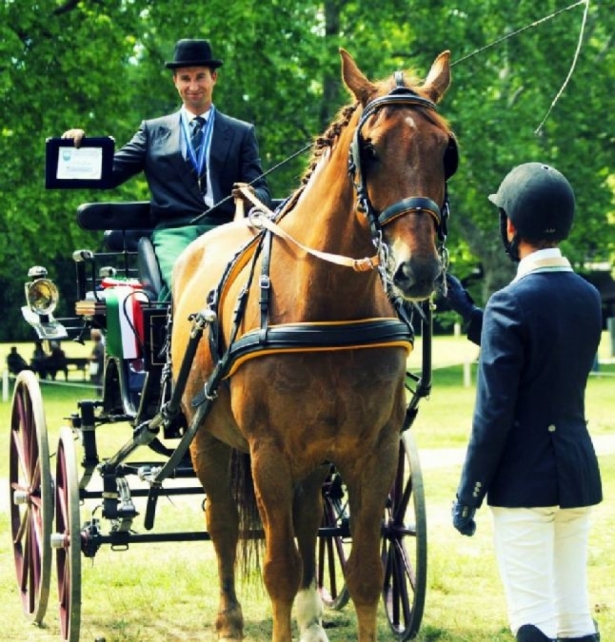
(181, 166)
(218, 152)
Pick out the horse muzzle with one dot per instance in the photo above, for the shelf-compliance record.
(415, 279)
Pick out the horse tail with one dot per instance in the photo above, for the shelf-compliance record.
(251, 533)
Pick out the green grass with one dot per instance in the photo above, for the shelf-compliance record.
(168, 592)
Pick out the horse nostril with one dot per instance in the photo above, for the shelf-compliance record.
(404, 275)
(416, 280)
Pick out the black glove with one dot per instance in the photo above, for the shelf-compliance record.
(463, 518)
(458, 297)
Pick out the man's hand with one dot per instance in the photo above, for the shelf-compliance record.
(458, 297)
(76, 134)
(463, 518)
(237, 193)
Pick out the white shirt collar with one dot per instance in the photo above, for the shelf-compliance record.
(550, 259)
(189, 116)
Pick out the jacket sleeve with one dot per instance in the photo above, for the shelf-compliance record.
(130, 159)
(251, 168)
(475, 326)
(500, 369)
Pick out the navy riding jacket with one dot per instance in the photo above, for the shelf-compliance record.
(530, 446)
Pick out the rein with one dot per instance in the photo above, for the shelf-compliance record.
(258, 220)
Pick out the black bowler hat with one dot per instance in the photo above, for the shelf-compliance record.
(193, 53)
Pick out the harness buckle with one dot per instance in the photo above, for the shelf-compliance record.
(365, 264)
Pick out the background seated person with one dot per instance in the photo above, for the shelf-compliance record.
(15, 362)
(38, 363)
(56, 361)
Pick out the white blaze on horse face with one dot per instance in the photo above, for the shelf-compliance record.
(411, 122)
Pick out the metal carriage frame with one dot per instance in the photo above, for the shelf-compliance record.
(45, 503)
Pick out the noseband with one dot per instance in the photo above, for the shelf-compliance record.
(400, 95)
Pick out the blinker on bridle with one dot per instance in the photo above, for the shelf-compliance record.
(400, 95)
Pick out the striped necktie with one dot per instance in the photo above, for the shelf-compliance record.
(198, 136)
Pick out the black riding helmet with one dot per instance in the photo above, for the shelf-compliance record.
(539, 202)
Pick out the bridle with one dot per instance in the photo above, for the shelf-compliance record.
(400, 95)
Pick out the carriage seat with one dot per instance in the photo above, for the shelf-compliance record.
(124, 240)
(113, 216)
(123, 223)
(124, 231)
(148, 268)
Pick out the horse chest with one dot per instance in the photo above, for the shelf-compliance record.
(341, 392)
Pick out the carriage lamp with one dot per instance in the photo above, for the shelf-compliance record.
(41, 293)
(42, 298)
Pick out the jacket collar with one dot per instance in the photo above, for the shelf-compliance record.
(548, 260)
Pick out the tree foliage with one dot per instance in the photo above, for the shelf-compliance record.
(99, 64)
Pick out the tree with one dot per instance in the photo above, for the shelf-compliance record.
(100, 65)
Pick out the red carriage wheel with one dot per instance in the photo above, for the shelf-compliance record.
(31, 499)
(333, 549)
(404, 545)
(67, 537)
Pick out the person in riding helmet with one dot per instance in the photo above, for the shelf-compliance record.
(530, 454)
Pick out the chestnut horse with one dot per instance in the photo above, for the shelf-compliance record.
(376, 186)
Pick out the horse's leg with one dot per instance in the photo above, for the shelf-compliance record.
(307, 520)
(282, 564)
(368, 484)
(211, 460)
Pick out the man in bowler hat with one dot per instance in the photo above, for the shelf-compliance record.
(194, 159)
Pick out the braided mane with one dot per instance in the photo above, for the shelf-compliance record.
(328, 139)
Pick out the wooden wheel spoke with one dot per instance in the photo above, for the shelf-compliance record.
(331, 549)
(23, 525)
(17, 444)
(25, 560)
(401, 506)
(35, 476)
(64, 583)
(61, 507)
(401, 588)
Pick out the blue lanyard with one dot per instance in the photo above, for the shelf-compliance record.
(198, 163)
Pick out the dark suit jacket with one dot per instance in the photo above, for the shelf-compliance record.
(175, 197)
(529, 445)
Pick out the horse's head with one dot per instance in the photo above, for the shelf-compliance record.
(401, 155)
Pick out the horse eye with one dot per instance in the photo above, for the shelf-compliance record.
(369, 151)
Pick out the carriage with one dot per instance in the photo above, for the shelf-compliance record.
(145, 382)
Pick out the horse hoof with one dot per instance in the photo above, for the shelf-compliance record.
(314, 633)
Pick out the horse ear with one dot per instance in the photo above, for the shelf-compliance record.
(354, 79)
(439, 77)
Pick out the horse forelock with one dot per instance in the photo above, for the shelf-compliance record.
(413, 83)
